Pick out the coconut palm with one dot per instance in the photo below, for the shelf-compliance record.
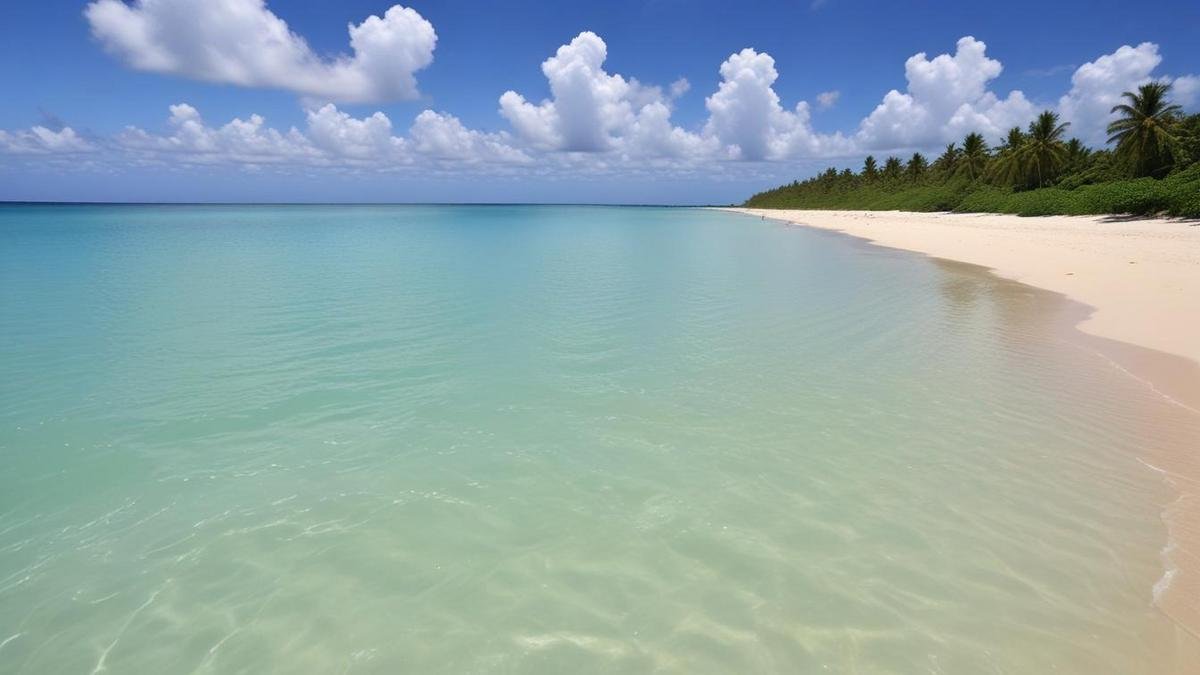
(892, 168)
(974, 157)
(1076, 150)
(1013, 140)
(870, 169)
(1078, 155)
(917, 165)
(1008, 167)
(948, 161)
(1144, 132)
(1044, 151)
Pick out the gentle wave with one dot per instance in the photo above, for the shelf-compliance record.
(440, 439)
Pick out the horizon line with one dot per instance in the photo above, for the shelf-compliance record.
(26, 202)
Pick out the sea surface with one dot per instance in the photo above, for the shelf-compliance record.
(494, 439)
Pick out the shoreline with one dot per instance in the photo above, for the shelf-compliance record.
(1140, 278)
(1136, 286)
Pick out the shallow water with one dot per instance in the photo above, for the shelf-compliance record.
(555, 439)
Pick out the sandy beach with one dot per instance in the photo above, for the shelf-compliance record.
(1141, 280)
(1140, 276)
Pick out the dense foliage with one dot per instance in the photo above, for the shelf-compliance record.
(1153, 168)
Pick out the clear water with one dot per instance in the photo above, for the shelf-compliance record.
(553, 439)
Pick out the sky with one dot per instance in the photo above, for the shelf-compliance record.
(619, 101)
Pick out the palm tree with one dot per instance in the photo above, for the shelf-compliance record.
(870, 168)
(917, 166)
(1077, 155)
(1076, 150)
(948, 161)
(1143, 133)
(1008, 167)
(892, 168)
(973, 160)
(1044, 151)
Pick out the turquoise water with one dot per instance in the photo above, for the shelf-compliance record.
(554, 439)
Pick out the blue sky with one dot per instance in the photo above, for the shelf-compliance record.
(417, 114)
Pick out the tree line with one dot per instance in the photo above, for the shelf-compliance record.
(1152, 166)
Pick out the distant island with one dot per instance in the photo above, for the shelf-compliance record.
(1153, 168)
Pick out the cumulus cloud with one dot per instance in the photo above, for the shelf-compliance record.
(946, 97)
(587, 105)
(748, 121)
(338, 134)
(1097, 86)
(444, 137)
(653, 136)
(39, 140)
(330, 138)
(597, 121)
(333, 138)
(591, 110)
(242, 141)
(1187, 91)
(241, 42)
(827, 99)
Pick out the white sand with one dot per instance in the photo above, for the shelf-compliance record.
(1141, 276)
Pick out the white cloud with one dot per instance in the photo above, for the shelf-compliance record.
(749, 123)
(588, 105)
(1186, 91)
(594, 111)
(39, 140)
(1097, 86)
(652, 135)
(247, 141)
(340, 135)
(744, 113)
(241, 42)
(990, 116)
(947, 96)
(331, 138)
(442, 136)
(596, 121)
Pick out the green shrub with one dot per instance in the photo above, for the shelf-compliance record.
(1097, 189)
(1182, 190)
(1143, 196)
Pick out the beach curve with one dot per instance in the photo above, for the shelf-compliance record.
(1139, 279)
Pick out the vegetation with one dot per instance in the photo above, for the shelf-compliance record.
(1144, 134)
(1153, 168)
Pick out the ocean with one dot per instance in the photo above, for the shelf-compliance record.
(548, 439)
